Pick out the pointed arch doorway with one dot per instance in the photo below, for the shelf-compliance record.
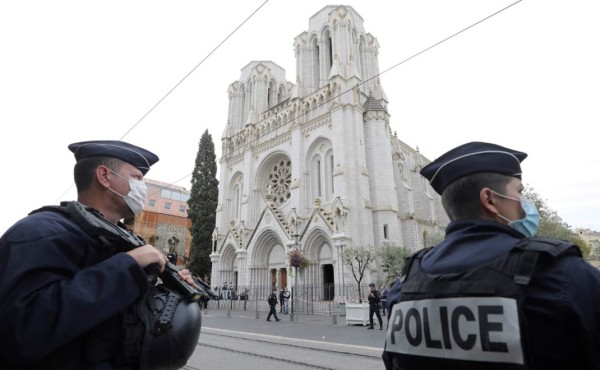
(328, 282)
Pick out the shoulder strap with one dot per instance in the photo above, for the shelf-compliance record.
(408, 261)
(92, 222)
(530, 251)
(553, 247)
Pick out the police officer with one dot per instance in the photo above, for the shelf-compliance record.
(490, 295)
(63, 293)
(272, 301)
(374, 303)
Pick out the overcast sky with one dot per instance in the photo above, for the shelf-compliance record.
(527, 78)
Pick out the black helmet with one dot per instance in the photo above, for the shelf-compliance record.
(172, 330)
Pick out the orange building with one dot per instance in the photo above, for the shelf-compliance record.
(164, 221)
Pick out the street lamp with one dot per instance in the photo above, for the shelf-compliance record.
(342, 245)
(242, 247)
(295, 236)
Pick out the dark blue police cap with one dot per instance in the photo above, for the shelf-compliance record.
(472, 158)
(134, 155)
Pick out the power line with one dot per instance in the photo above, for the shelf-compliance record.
(192, 71)
(177, 85)
(379, 74)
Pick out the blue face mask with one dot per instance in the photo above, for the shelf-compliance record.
(528, 225)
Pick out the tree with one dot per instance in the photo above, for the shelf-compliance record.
(392, 260)
(434, 238)
(203, 205)
(594, 251)
(358, 259)
(552, 225)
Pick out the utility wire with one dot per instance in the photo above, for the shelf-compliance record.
(192, 71)
(379, 74)
(177, 85)
(336, 96)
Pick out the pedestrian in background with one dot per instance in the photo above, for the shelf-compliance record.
(272, 301)
(286, 300)
(281, 301)
(384, 296)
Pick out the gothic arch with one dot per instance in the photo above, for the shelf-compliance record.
(268, 261)
(272, 94)
(262, 249)
(243, 111)
(281, 94)
(327, 53)
(362, 58)
(315, 62)
(319, 159)
(321, 270)
(314, 245)
(236, 193)
(228, 265)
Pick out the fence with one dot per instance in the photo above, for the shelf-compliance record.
(305, 299)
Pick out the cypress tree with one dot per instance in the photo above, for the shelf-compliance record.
(203, 206)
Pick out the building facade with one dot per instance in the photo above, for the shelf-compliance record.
(314, 165)
(592, 238)
(164, 221)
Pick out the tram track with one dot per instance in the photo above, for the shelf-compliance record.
(316, 351)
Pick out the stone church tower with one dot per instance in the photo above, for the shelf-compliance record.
(314, 165)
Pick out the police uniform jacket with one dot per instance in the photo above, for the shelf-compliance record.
(562, 300)
(62, 294)
(374, 298)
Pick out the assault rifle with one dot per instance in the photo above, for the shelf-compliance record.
(123, 240)
(205, 287)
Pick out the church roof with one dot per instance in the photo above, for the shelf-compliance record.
(372, 105)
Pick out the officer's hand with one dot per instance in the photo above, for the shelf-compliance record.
(186, 275)
(147, 255)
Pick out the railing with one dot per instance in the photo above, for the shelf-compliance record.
(305, 299)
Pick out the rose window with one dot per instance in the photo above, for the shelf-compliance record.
(278, 181)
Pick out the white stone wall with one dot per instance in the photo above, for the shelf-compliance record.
(373, 185)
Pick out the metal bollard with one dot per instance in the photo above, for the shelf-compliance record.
(334, 319)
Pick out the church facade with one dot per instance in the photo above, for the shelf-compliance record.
(313, 165)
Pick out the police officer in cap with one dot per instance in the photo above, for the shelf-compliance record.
(374, 305)
(491, 295)
(63, 293)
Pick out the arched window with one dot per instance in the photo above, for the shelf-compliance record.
(328, 55)
(316, 177)
(242, 108)
(280, 95)
(271, 95)
(329, 190)
(236, 192)
(235, 203)
(363, 60)
(315, 65)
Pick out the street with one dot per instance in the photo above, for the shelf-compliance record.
(242, 341)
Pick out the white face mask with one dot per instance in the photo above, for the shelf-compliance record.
(136, 197)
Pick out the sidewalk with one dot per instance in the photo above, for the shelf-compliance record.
(323, 328)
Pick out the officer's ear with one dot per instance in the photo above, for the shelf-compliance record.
(102, 176)
(488, 201)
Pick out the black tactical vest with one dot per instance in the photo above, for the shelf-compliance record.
(160, 330)
(471, 320)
